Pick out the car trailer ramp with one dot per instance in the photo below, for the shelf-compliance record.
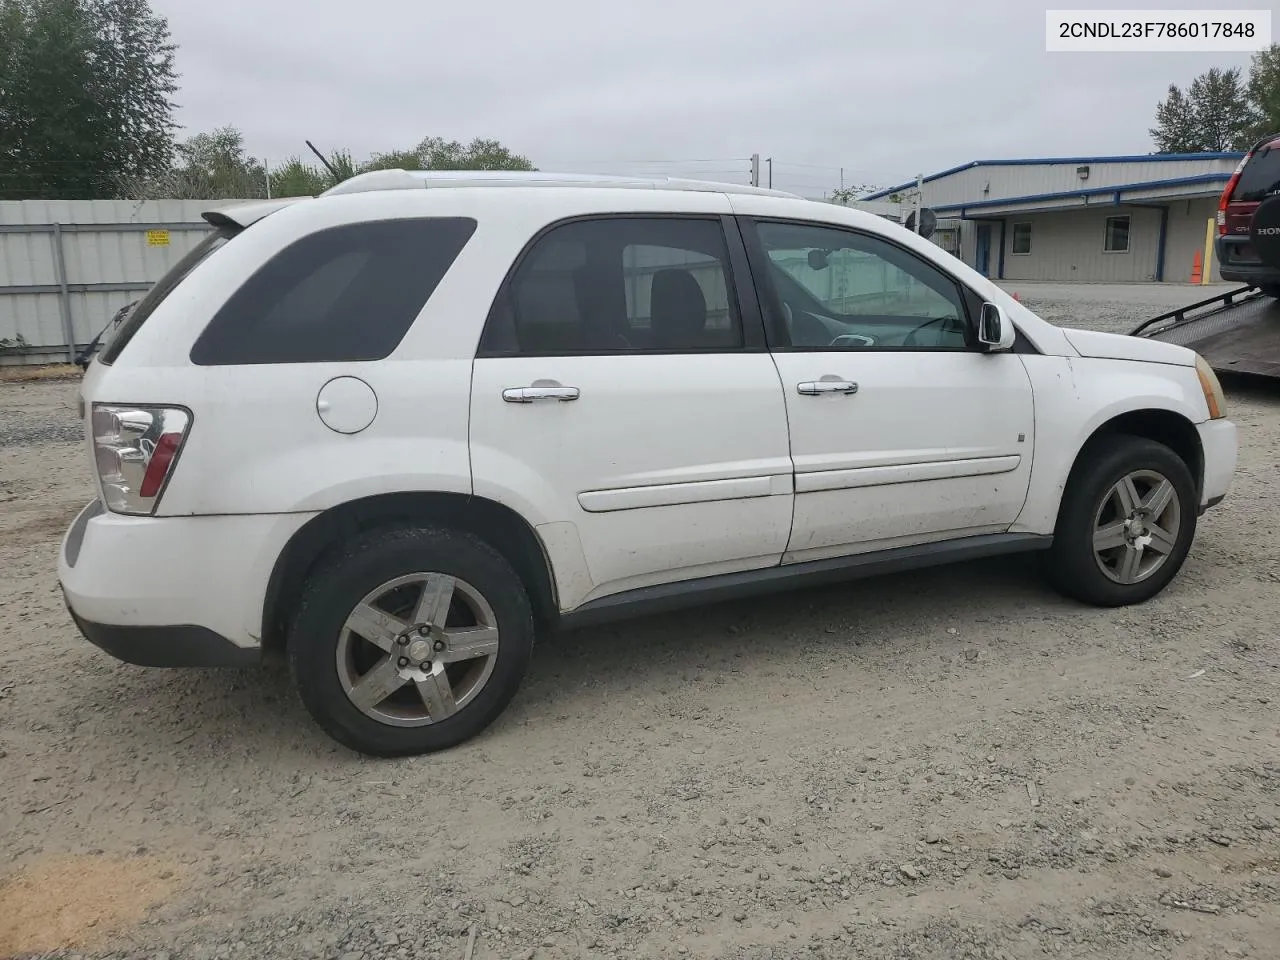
(1238, 332)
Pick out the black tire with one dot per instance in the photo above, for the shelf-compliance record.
(361, 566)
(1071, 564)
(1271, 290)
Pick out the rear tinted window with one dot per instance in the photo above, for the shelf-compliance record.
(1260, 176)
(133, 320)
(342, 294)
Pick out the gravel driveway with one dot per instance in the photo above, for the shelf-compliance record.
(948, 764)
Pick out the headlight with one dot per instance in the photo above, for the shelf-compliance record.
(1213, 395)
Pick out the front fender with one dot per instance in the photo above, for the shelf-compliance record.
(1077, 396)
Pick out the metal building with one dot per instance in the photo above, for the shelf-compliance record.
(1102, 219)
(66, 266)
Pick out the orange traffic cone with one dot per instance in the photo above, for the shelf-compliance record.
(1196, 268)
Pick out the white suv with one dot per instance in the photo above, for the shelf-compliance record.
(395, 431)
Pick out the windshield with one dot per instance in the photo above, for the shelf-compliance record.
(132, 320)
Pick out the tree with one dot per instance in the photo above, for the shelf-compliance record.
(1223, 117)
(1175, 129)
(395, 160)
(135, 68)
(213, 166)
(846, 195)
(344, 167)
(85, 89)
(49, 127)
(1213, 115)
(294, 178)
(436, 153)
(1263, 92)
(216, 166)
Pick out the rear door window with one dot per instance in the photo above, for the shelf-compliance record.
(347, 293)
(1260, 176)
(619, 285)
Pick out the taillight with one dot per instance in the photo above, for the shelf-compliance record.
(1227, 191)
(135, 448)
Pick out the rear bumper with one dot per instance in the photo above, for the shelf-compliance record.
(1219, 444)
(172, 591)
(173, 646)
(1249, 270)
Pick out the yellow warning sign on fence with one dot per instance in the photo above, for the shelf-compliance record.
(157, 238)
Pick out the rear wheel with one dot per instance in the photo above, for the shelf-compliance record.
(1126, 523)
(1270, 289)
(410, 641)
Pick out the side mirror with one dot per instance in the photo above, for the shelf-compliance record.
(995, 329)
(819, 259)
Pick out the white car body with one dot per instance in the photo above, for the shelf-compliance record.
(668, 469)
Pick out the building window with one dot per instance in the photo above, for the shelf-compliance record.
(1021, 239)
(1116, 235)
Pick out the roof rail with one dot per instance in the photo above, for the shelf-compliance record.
(397, 179)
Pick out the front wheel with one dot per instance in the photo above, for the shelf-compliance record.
(1126, 523)
(410, 640)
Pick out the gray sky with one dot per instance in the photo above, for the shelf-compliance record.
(882, 88)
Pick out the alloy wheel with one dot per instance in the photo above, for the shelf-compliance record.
(1135, 527)
(417, 649)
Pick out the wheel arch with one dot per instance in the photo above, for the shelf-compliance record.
(498, 525)
(1162, 425)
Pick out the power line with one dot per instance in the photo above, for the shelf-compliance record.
(812, 166)
(820, 166)
(652, 162)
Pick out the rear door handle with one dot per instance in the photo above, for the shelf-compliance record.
(814, 388)
(532, 394)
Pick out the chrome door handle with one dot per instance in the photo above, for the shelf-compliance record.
(530, 394)
(813, 388)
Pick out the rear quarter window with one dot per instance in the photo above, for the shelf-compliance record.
(1260, 176)
(342, 294)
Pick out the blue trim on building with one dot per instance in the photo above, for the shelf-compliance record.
(981, 220)
(1000, 267)
(1091, 192)
(1163, 236)
(1134, 158)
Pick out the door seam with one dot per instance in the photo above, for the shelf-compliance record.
(773, 359)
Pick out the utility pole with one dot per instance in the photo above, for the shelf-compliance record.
(842, 179)
(919, 202)
(755, 169)
(770, 161)
(266, 168)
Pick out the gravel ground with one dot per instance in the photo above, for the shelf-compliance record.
(950, 764)
(1113, 307)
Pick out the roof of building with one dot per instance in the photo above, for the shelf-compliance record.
(1116, 192)
(1049, 161)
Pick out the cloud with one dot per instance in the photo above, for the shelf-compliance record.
(883, 91)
